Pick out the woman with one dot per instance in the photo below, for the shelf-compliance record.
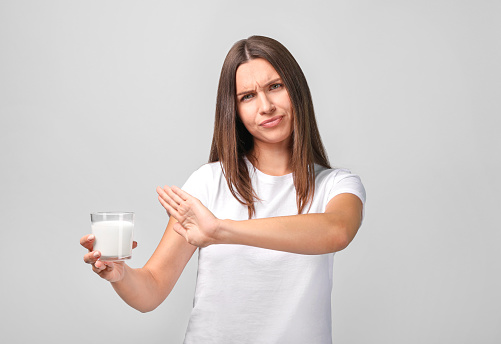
(267, 213)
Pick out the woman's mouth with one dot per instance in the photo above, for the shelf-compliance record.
(272, 122)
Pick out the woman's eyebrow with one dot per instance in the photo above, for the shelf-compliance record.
(266, 85)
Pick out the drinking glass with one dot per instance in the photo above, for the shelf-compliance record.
(113, 233)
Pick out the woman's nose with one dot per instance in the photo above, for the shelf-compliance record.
(265, 104)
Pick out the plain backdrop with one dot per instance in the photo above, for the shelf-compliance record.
(102, 101)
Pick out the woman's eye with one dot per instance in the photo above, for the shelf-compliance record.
(275, 86)
(246, 97)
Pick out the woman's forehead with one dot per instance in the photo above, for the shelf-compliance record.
(254, 73)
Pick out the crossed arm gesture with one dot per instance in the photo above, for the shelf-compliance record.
(192, 225)
(320, 233)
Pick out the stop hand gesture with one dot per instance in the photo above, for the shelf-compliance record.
(195, 223)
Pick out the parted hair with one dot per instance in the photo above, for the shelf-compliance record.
(231, 141)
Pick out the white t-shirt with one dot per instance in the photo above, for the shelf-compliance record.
(253, 295)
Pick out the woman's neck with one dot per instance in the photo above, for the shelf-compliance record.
(274, 161)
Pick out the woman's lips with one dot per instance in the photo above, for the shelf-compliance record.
(272, 122)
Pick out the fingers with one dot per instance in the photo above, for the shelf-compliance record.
(98, 266)
(87, 241)
(92, 257)
(170, 197)
(172, 194)
(170, 210)
(101, 269)
(162, 196)
(167, 202)
(101, 266)
(176, 194)
(181, 193)
(173, 200)
(104, 268)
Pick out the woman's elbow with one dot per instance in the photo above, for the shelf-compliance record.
(145, 310)
(152, 304)
(341, 238)
(340, 243)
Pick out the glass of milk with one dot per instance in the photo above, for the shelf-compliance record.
(113, 234)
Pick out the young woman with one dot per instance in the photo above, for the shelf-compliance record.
(267, 214)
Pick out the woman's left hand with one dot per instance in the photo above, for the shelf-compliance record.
(195, 223)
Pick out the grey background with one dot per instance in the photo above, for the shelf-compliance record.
(101, 101)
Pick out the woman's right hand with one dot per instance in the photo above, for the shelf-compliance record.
(110, 271)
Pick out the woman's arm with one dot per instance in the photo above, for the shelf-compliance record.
(326, 232)
(146, 288)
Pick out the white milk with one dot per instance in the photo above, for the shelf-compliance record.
(113, 239)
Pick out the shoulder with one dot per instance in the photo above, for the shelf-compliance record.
(203, 181)
(334, 181)
(207, 171)
(205, 176)
(323, 174)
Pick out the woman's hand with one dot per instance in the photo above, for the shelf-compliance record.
(110, 271)
(195, 222)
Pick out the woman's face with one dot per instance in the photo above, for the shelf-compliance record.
(263, 103)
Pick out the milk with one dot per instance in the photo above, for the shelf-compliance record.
(113, 239)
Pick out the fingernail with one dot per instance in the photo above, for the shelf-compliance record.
(96, 254)
(90, 237)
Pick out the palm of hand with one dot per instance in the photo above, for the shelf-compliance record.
(196, 223)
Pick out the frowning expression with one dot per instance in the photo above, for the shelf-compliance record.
(263, 103)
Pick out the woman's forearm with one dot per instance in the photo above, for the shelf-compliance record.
(316, 233)
(304, 234)
(138, 289)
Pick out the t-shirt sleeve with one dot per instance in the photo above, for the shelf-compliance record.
(347, 182)
(197, 185)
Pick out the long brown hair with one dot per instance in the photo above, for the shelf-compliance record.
(231, 141)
